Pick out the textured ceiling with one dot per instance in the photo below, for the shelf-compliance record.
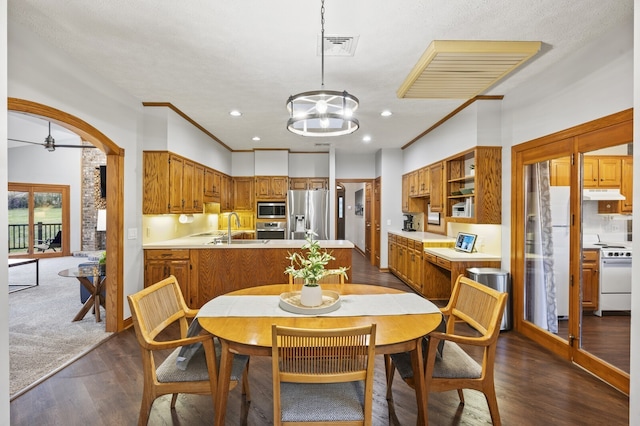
(209, 57)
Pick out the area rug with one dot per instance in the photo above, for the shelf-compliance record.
(42, 335)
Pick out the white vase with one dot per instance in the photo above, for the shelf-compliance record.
(311, 295)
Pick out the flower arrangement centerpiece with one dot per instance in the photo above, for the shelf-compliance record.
(312, 267)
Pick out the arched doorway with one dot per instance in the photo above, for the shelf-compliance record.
(115, 190)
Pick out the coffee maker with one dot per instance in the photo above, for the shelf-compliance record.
(408, 223)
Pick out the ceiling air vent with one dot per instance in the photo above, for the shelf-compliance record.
(464, 69)
(338, 45)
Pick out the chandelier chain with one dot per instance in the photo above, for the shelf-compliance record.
(322, 43)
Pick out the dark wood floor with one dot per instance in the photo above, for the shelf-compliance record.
(534, 387)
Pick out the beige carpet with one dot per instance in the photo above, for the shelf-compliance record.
(42, 336)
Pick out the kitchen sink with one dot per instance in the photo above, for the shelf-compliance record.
(209, 234)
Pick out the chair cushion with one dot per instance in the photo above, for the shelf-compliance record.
(168, 371)
(456, 363)
(325, 402)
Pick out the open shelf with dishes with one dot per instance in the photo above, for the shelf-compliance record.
(474, 186)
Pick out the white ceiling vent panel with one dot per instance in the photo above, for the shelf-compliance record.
(464, 69)
(338, 45)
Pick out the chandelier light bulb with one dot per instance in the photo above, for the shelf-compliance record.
(321, 106)
(324, 123)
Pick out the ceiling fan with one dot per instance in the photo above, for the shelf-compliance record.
(50, 143)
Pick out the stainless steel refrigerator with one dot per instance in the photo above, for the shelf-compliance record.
(308, 210)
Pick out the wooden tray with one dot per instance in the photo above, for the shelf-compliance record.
(290, 302)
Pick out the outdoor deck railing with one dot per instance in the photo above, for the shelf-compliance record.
(19, 234)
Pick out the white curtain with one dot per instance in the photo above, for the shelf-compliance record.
(540, 285)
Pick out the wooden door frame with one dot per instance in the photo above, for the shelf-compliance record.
(371, 230)
(612, 130)
(114, 320)
(43, 187)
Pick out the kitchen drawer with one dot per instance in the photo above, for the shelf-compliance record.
(402, 241)
(590, 255)
(166, 254)
(431, 258)
(446, 264)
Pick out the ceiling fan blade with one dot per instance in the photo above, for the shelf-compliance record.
(74, 146)
(20, 140)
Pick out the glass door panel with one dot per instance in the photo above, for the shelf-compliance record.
(546, 251)
(606, 257)
(19, 228)
(47, 219)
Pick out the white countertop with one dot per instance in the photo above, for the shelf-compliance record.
(457, 256)
(203, 243)
(425, 237)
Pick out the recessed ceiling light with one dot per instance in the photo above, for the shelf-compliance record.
(366, 139)
(255, 138)
(386, 113)
(235, 113)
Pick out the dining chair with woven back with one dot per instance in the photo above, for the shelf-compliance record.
(448, 366)
(323, 376)
(192, 366)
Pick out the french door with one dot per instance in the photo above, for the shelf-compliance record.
(37, 215)
(555, 282)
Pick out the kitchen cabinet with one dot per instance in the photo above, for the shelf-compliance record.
(413, 184)
(193, 187)
(626, 185)
(162, 183)
(226, 193)
(243, 193)
(602, 172)
(474, 194)
(560, 171)
(436, 199)
(308, 183)
(159, 264)
(590, 279)
(405, 260)
(414, 265)
(392, 254)
(212, 185)
(423, 182)
(271, 187)
(411, 204)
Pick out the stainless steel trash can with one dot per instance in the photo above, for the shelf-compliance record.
(496, 279)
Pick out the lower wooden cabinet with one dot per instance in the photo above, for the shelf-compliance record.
(590, 279)
(159, 264)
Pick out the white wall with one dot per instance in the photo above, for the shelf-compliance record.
(391, 197)
(61, 167)
(272, 163)
(354, 224)
(356, 166)
(309, 164)
(243, 164)
(4, 233)
(634, 396)
(38, 72)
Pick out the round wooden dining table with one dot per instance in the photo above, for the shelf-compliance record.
(251, 335)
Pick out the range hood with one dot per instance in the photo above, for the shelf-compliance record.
(602, 194)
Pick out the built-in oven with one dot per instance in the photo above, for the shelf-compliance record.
(615, 280)
(271, 230)
(271, 210)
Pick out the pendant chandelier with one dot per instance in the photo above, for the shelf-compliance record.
(322, 113)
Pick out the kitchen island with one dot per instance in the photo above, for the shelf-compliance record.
(206, 268)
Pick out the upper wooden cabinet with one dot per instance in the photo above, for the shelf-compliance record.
(436, 181)
(226, 193)
(602, 172)
(212, 185)
(423, 182)
(626, 186)
(411, 204)
(243, 193)
(299, 183)
(560, 171)
(474, 195)
(163, 183)
(271, 187)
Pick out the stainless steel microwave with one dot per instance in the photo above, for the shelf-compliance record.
(272, 210)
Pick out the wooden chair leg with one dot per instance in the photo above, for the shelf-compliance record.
(461, 396)
(492, 402)
(174, 398)
(145, 409)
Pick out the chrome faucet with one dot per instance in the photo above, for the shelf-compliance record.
(229, 225)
